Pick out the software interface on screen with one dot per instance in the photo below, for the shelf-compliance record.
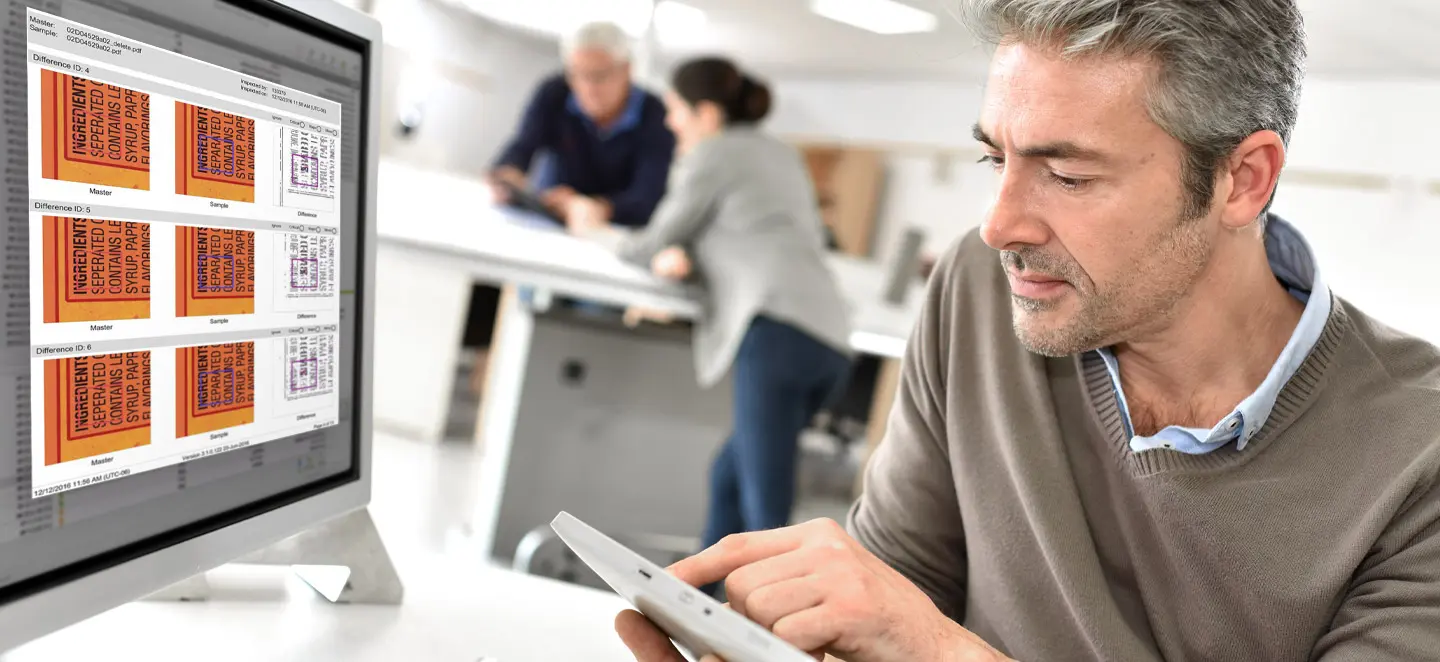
(179, 268)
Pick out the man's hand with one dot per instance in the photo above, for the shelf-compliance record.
(815, 587)
(645, 641)
(672, 263)
(558, 198)
(504, 175)
(585, 214)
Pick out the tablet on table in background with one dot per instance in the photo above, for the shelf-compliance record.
(524, 199)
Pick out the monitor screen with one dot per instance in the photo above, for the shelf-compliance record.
(180, 262)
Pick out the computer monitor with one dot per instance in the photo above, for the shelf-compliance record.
(186, 271)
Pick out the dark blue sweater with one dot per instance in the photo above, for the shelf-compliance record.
(626, 164)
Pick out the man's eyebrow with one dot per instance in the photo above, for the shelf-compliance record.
(1061, 150)
(981, 136)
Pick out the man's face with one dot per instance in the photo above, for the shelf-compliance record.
(600, 82)
(1089, 212)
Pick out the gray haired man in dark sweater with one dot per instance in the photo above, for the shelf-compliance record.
(1134, 423)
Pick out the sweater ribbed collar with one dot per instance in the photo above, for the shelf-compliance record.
(1294, 398)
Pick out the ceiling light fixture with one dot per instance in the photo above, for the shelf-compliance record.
(677, 21)
(886, 17)
(559, 17)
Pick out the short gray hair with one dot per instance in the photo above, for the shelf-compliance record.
(601, 35)
(1227, 68)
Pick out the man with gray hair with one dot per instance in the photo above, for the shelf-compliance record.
(1133, 421)
(607, 148)
(602, 147)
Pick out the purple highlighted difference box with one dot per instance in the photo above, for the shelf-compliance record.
(215, 388)
(215, 155)
(304, 170)
(304, 375)
(216, 273)
(304, 273)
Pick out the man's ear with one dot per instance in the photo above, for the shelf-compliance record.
(1252, 171)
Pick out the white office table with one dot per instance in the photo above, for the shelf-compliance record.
(606, 423)
(501, 246)
(438, 234)
(456, 607)
(451, 613)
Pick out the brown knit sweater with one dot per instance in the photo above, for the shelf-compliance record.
(1006, 489)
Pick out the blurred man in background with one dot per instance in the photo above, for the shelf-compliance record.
(603, 148)
(607, 148)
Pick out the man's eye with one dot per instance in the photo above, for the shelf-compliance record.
(996, 162)
(1069, 183)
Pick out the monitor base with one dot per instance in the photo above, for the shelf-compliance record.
(344, 560)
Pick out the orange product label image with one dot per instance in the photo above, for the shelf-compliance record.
(214, 387)
(95, 270)
(96, 405)
(94, 132)
(214, 271)
(214, 154)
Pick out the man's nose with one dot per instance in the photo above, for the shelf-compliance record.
(1012, 219)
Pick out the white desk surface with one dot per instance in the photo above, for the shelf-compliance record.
(449, 613)
(502, 245)
(457, 607)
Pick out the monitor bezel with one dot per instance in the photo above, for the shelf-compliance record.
(46, 603)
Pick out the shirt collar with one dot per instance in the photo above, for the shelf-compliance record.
(1293, 263)
(629, 118)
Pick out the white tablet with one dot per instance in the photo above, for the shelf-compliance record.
(695, 621)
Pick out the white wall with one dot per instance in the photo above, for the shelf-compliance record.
(1375, 246)
(472, 77)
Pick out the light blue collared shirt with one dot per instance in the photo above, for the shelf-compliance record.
(547, 171)
(1294, 265)
(629, 118)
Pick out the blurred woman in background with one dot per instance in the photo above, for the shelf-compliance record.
(740, 217)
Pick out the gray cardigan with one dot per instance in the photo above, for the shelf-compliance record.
(743, 207)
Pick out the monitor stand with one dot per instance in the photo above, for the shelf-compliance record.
(344, 560)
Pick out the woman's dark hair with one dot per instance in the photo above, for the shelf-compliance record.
(717, 80)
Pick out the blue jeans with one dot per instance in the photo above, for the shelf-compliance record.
(782, 377)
